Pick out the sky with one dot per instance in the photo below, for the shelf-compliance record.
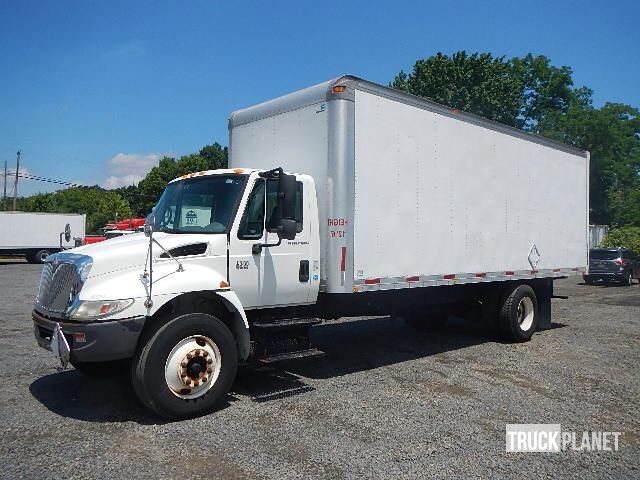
(96, 92)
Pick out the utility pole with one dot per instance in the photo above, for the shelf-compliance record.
(4, 195)
(15, 185)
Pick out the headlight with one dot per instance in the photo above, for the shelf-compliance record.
(98, 309)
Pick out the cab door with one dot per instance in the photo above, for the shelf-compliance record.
(286, 268)
(269, 276)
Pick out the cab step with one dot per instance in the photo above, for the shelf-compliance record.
(286, 324)
(280, 357)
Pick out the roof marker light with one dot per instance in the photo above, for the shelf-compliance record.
(339, 89)
(237, 170)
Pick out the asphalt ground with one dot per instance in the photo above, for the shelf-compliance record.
(386, 401)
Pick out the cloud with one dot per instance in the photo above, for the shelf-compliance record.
(129, 168)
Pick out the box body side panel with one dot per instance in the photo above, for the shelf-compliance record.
(438, 196)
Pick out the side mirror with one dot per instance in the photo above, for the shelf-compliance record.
(287, 187)
(67, 233)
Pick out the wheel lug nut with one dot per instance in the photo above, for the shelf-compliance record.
(209, 370)
(196, 383)
(209, 361)
(189, 355)
(184, 364)
(205, 353)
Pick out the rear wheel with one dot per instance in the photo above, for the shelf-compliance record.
(38, 256)
(518, 314)
(186, 366)
(628, 281)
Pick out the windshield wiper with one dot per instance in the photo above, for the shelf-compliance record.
(170, 230)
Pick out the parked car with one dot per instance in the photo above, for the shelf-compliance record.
(612, 264)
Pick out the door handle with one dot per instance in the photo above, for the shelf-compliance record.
(303, 273)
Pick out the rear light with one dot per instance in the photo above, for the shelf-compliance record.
(621, 262)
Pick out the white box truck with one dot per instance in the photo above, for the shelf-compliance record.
(343, 199)
(37, 235)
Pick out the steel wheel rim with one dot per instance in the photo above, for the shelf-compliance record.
(526, 313)
(192, 367)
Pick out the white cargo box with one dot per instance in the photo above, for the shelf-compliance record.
(412, 193)
(27, 230)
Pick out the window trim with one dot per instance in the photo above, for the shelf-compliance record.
(300, 225)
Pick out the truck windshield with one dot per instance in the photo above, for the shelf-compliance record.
(199, 205)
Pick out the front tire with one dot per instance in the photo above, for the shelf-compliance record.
(186, 366)
(518, 314)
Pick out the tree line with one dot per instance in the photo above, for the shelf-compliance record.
(527, 92)
(135, 201)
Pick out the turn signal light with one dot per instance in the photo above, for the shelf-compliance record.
(224, 284)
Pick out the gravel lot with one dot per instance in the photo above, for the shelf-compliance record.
(386, 401)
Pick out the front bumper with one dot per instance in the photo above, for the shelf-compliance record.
(99, 341)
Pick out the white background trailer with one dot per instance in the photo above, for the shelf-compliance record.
(411, 193)
(25, 233)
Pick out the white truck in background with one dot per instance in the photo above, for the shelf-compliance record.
(37, 235)
(343, 199)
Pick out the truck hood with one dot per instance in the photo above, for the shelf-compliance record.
(130, 251)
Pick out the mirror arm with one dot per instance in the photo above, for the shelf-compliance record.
(256, 248)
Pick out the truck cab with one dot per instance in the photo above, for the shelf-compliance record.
(225, 242)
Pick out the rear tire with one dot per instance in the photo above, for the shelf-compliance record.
(518, 315)
(38, 256)
(173, 354)
(629, 280)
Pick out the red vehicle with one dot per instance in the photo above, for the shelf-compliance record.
(112, 230)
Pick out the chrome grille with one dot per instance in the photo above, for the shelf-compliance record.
(59, 282)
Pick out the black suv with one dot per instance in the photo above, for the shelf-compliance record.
(608, 264)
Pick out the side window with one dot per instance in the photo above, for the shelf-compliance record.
(272, 190)
(252, 223)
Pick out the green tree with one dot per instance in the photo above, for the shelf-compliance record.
(150, 188)
(628, 237)
(215, 155)
(478, 83)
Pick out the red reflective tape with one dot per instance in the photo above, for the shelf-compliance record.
(533, 272)
(371, 281)
(413, 279)
(575, 269)
(481, 274)
(556, 269)
(449, 276)
(343, 260)
(509, 272)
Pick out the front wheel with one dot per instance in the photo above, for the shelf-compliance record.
(186, 366)
(518, 315)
